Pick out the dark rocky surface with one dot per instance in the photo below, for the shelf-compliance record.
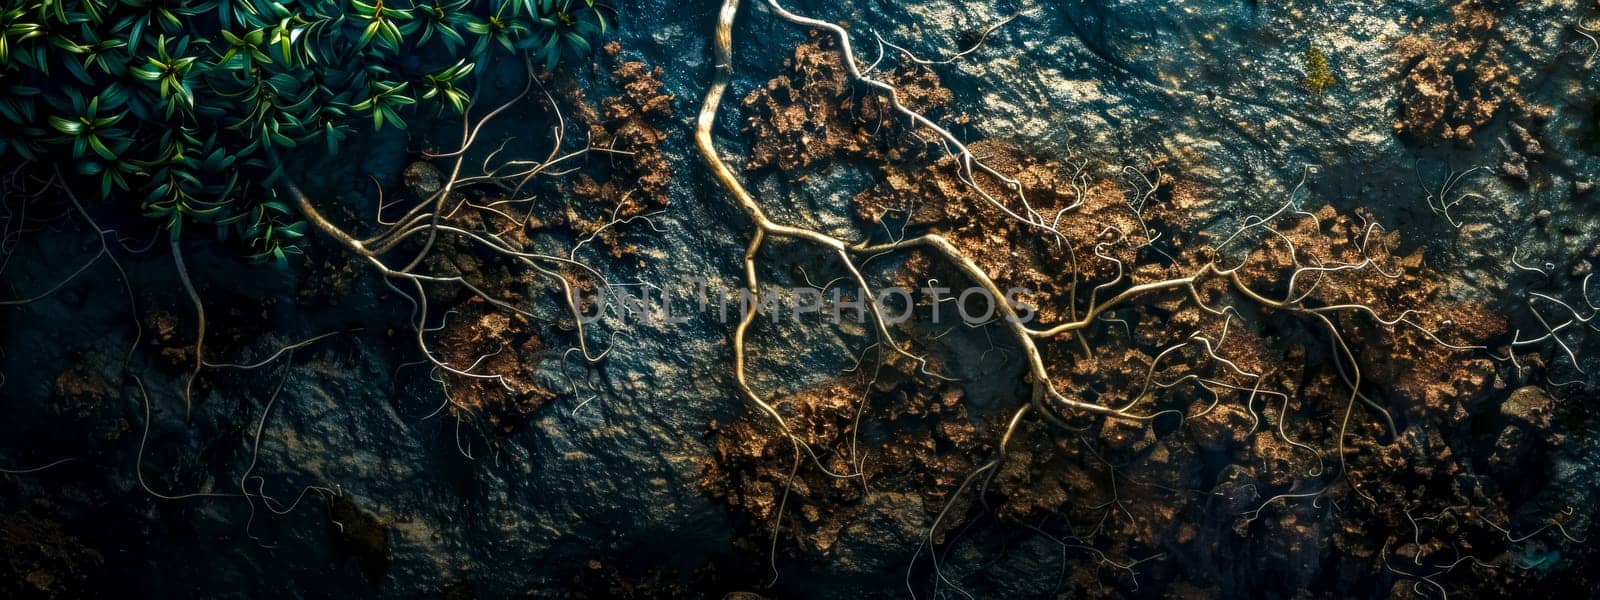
(603, 497)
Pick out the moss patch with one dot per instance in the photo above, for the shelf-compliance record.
(1319, 76)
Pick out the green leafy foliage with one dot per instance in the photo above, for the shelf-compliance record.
(180, 105)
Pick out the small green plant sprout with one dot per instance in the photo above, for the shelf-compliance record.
(444, 18)
(443, 84)
(565, 28)
(1319, 77)
(384, 102)
(246, 47)
(381, 22)
(169, 70)
(499, 28)
(90, 128)
(272, 231)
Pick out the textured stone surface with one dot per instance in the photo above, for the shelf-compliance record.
(1211, 88)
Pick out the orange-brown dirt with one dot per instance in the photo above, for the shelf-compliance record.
(1454, 80)
(912, 436)
(626, 126)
